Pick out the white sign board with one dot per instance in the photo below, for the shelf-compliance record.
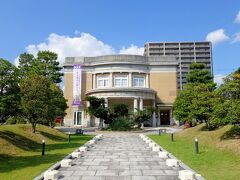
(77, 82)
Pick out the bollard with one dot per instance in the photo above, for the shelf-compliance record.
(172, 139)
(69, 136)
(159, 132)
(196, 146)
(43, 147)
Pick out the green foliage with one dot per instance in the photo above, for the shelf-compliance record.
(198, 74)
(20, 120)
(9, 90)
(181, 106)
(196, 100)
(45, 64)
(202, 104)
(97, 108)
(11, 120)
(121, 124)
(57, 104)
(120, 110)
(34, 98)
(227, 109)
(141, 116)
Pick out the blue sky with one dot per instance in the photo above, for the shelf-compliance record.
(95, 27)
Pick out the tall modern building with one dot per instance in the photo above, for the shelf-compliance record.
(184, 52)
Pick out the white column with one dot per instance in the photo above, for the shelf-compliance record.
(111, 80)
(154, 115)
(94, 81)
(130, 80)
(106, 102)
(140, 104)
(147, 80)
(135, 104)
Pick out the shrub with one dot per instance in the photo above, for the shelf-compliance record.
(120, 110)
(141, 116)
(20, 120)
(11, 120)
(121, 124)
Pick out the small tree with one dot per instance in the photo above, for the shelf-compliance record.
(97, 108)
(141, 116)
(202, 104)
(57, 104)
(35, 96)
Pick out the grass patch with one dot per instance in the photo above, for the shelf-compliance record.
(20, 152)
(214, 161)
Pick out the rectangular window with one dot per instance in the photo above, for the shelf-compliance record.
(138, 81)
(102, 81)
(121, 81)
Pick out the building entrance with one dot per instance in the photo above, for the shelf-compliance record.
(78, 118)
(164, 117)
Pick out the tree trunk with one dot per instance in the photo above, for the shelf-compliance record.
(207, 124)
(100, 124)
(33, 127)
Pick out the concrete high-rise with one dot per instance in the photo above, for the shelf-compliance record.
(184, 52)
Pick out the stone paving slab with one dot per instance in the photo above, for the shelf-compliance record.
(119, 156)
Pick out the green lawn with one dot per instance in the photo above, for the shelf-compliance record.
(212, 162)
(20, 153)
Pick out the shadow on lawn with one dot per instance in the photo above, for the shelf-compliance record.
(20, 141)
(18, 162)
(52, 136)
(233, 133)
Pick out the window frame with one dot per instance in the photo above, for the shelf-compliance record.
(121, 78)
(138, 77)
(104, 79)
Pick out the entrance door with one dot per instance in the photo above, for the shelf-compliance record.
(165, 117)
(78, 118)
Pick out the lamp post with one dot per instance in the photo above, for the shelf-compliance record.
(172, 139)
(196, 146)
(69, 136)
(43, 147)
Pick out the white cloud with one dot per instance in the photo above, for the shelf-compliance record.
(236, 37)
(237, 19)
(82, 45)
(16, 61)
(217, 36)
(218, 78)
(133, 49)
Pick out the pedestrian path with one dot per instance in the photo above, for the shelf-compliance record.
(119, 156)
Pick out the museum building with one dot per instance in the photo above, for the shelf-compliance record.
(137, 81)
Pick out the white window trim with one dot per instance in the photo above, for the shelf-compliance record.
(121, 77)
(138, 77)
(75, 122)
(103, 78)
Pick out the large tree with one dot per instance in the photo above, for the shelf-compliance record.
(227, 110)
(45, 64)
(9, 90)
(194, 102)
(35, 96)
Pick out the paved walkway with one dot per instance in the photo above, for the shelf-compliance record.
(119, 156)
